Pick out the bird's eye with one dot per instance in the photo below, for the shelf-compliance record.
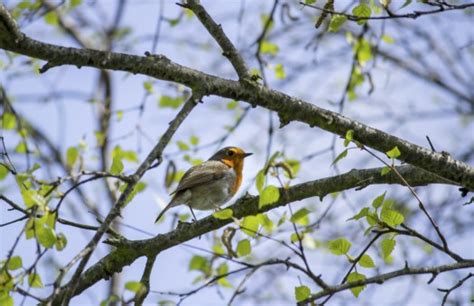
(230, 153)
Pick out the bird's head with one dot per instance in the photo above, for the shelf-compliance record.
(232, 157)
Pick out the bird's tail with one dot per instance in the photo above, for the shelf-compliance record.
(170, 204)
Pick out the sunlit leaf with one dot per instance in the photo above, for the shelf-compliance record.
(34, 280)
(133, 286)
(71, 156)
(377, 202)
(15, 263)
(393, 153)
(250, 225)
(223, 214)
(336, 22)
(302, 293)
(244, 248)
(339, 246)
(268, 196)
(353, 277)
(388, 245)
(366, 261)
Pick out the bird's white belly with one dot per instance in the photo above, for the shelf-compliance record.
(212, 195)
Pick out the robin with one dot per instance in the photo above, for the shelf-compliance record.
(210, 184)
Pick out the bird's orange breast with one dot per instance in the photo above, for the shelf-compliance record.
(237, 165)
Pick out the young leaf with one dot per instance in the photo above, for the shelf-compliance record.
(133, 286)
(362, 213)
(378, 200)
(339, 246)
(388, 245)
(280, 72)
(301, 217)
(302, 293)
(250, 225)
(339, 157)
(366, 261)
(391, 217)
(15, 263)
(117, 165)
(268, 48)
(354, 276)
(244, 248)
(393, 153)
(223, 214)
(8, 121)
(61, 242)
(268, 196)
(362, 10)
(349, 137)
(166, 101)
(336, 22)
(71, 156)
(385, 170)
(260, 181)
(34, 280)
(46, 236)
(199, 263)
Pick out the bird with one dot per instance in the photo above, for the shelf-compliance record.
(211, 184)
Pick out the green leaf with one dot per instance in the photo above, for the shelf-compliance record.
(117, 165)
(280, 72)
(224, 282)
(133, 286)
(268, 48)
(301, 217)
(385, 170)
(148, 86)
(32, 197)
(46, 236)
(388, 39)
(349, 137)
(34, 280)
(309, 1)
(250, 225)
(139, 187)
(336, 22)
(362, 213)
(388, 245)
(364, 51)
(15, 263)
(268, 196)
(266, 222)
(378, 200)
(353, 277)
(366, 261)
(71, 156)
(166, 101)
(194, 140)
(223, 214)
(61, 242)
(391, 217)
(406, 3)
(21, 147)
(3, 171)
(302, 293)
(362, 10)
(199, 263)
(8, 121)
(244, 248)
(182, 145)
(393, 153)
(51, 18)
(6, 299)
(232, 104)
(260, 181)
(340, 156)
(75, 3)
(339, 246)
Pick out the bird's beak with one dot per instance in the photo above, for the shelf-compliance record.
(247, 154)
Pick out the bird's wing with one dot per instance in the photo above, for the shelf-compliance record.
(199, 175)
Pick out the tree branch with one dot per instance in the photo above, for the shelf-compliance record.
(288, 108)
(128, 251)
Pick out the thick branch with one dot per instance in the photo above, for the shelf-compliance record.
(129, 251)
(287, 107)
